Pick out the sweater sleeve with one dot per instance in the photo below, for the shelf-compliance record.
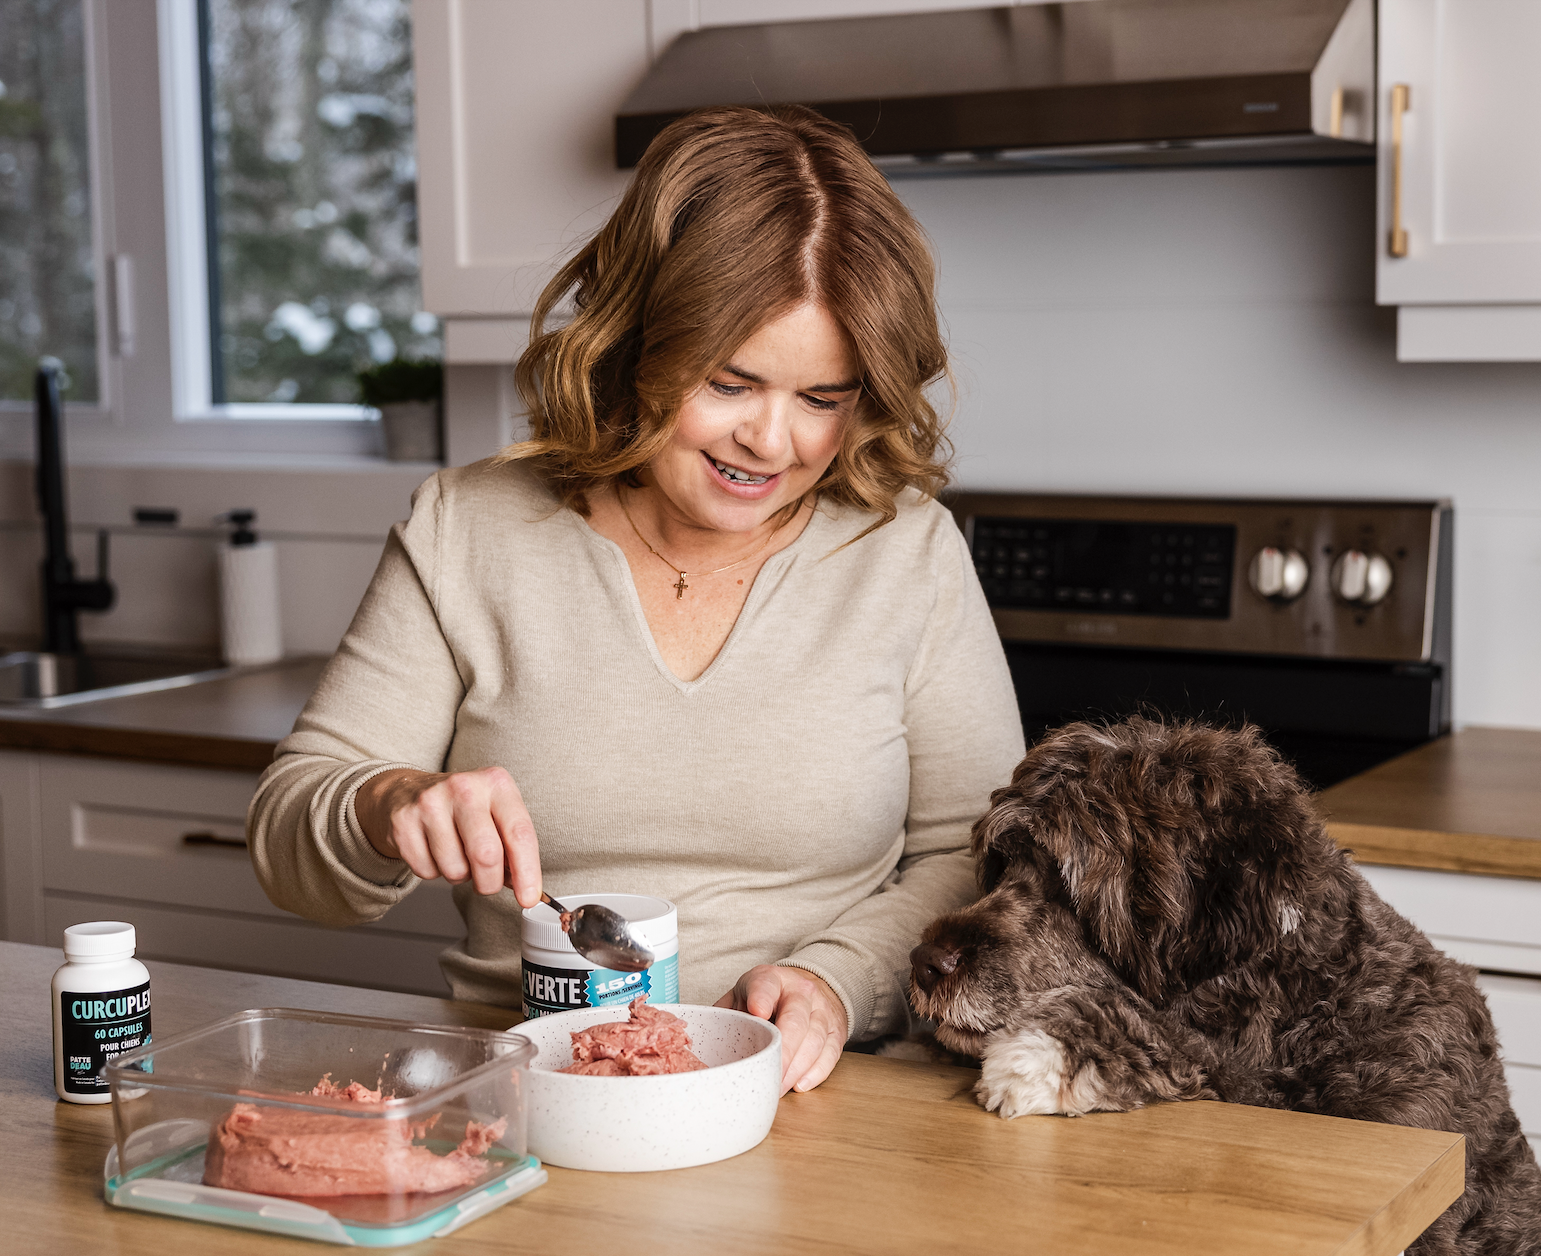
(387, 699)
(964, 735)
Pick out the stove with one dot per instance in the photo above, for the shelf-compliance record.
(1327, 623)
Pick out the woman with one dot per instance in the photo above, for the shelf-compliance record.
(707, 635)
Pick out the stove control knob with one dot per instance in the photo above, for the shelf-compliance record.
(1278, 574)
(1360, 578)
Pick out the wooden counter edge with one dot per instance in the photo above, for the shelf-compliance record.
(1415, 1209)
(137, 744)
(1482, 853)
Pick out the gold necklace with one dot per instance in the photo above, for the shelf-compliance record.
(679, 585)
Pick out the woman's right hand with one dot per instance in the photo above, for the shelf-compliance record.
(455, 825)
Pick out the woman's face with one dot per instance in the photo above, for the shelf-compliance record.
(763, 428)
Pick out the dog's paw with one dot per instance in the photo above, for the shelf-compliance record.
(1024, 1074)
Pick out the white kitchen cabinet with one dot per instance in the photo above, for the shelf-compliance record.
(164, 848)
(516, 104)
(1466, 153)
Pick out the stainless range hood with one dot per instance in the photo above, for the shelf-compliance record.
(1084, 85)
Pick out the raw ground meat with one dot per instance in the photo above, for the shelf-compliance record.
(354, 1092)
(273, 1151)
(652, 1041)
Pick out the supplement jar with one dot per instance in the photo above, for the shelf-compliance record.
(558, 979)
(101, 1007)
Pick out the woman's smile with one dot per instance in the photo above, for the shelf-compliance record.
(742, 483)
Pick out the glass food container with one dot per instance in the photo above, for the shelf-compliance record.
(219, 1124)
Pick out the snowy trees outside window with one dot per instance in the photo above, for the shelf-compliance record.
(311, 168)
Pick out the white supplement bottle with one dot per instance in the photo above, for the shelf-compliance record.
(558, 979)
(101, 1002)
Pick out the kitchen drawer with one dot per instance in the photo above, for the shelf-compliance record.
(1488, 922)
(176, 836)
(285, 947)
(149, 832)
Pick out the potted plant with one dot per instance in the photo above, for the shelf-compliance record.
(409, 394)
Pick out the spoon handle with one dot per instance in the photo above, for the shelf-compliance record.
(565, 915)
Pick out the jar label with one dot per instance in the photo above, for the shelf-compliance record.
(95, 1028)
(548, 990)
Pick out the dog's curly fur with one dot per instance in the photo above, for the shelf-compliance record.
(1165, 917)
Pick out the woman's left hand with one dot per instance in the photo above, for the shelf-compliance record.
(808, 1013)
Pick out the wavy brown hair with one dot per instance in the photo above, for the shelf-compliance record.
(735, 217)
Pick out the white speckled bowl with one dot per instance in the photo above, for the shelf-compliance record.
(637, 1124)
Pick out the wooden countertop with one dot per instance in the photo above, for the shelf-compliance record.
(231, 723)
(1469, 802)
(886, 1156)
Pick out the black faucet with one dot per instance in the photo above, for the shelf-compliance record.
(63, 595)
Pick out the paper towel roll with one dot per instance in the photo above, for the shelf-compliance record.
(248, 603)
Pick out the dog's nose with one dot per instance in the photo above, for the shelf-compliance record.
(931, 963)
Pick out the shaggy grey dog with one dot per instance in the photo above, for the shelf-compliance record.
(1166, 918)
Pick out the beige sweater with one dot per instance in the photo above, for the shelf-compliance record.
(807, 800)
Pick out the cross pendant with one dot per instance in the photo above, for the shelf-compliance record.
(680, 587)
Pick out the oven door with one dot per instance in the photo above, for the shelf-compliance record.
(1331, 718)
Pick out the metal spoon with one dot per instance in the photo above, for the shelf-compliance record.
(602, 935)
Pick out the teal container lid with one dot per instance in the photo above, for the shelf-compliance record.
(161, 1187)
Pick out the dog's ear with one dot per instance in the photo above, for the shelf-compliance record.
(1002, 839)
(999, 838)
(1184, 849)
(1003, 844)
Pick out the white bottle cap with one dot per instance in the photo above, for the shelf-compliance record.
(101, 939)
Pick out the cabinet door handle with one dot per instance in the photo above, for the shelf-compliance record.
(1401, 95)
(212, 839)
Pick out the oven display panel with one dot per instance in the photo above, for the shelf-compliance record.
(1182, 570)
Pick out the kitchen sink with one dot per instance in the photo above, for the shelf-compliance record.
(33, 679)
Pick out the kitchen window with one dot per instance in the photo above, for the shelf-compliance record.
(239, 236)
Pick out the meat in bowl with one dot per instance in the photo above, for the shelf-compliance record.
(650, 1042)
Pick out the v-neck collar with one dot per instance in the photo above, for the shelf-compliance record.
(758, 592)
